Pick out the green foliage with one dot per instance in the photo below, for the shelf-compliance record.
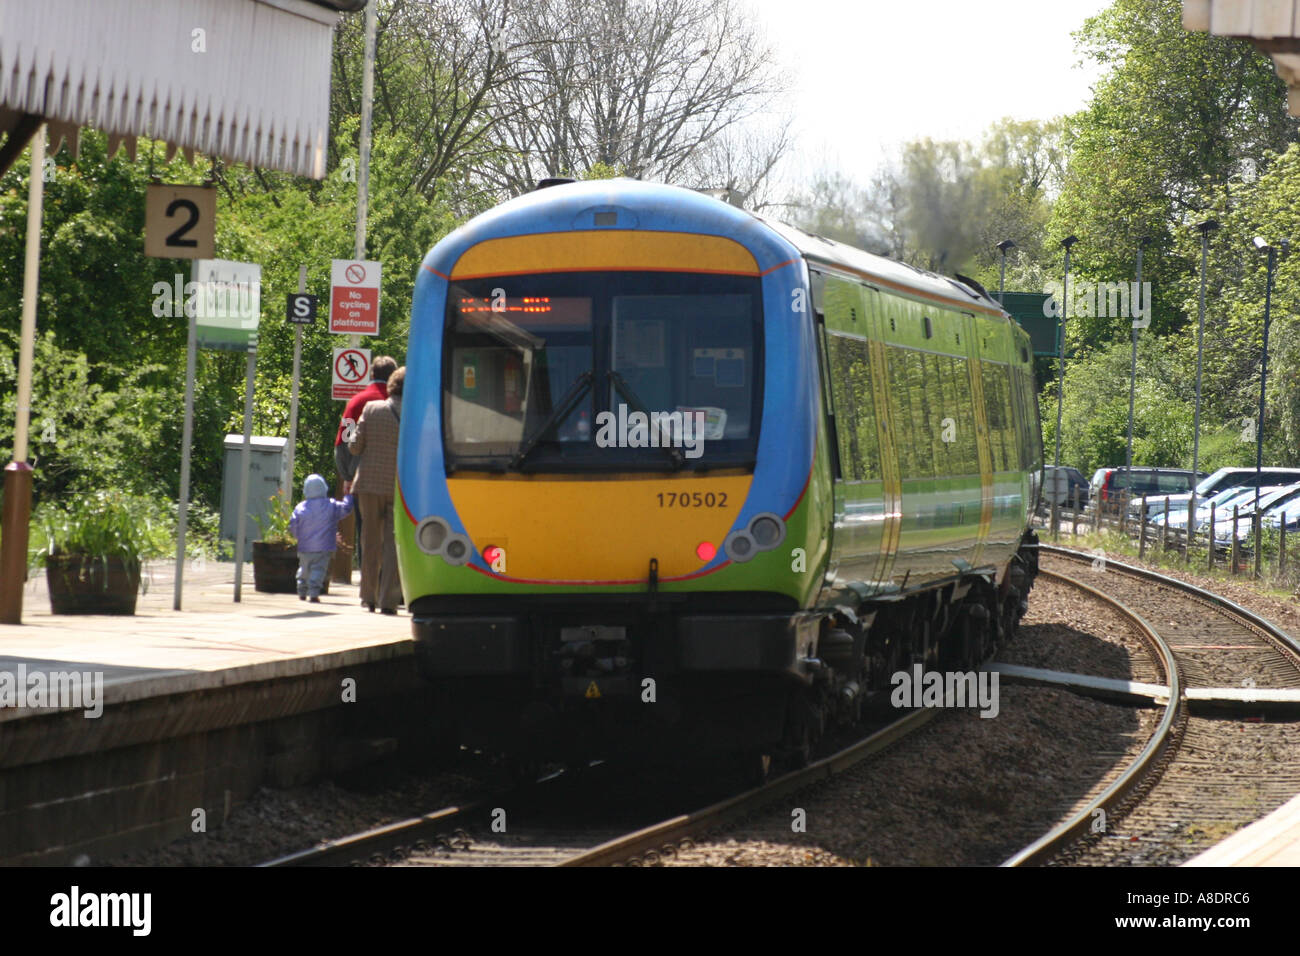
(274, 527)
(101, 524)
(945, 205)
(1170, 127)
(92, 427)
(1095, 420)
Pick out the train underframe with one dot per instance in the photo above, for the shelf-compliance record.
(565, 679)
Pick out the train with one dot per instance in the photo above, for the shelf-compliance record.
(672, 474)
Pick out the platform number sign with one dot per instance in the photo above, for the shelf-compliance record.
(301, 308)
(180, 222)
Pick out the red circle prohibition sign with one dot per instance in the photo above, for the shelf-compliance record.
(355, 273)
(350, 366)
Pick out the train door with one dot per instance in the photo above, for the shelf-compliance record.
(853, 406)
(891, 490)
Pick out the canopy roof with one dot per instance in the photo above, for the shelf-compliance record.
(245, 80)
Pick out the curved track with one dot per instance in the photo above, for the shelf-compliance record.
(1197, 779)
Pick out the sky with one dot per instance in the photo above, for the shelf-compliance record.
(869, 75)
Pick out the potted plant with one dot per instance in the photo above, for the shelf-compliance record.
(275, 553)
(93, 548)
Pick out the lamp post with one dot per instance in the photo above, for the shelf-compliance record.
(1003, 247)
(1066, 243)
(1132, 377)
(1206, 228)
(1272, 253)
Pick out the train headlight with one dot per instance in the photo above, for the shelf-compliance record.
(767, 530)
(431, 534)
(456, 550)
(739, 546)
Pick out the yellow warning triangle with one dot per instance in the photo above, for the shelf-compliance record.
(592, 690)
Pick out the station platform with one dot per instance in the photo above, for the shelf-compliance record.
(212, 642)
(147, 718)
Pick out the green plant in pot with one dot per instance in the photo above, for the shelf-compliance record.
(93, 548)
(275, 553)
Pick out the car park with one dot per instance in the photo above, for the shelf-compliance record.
(1218, 481)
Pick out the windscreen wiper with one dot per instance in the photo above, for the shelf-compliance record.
(624, 389)
(561, 411)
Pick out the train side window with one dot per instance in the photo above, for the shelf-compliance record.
(911, 416)
(997, 397)
(963, 458)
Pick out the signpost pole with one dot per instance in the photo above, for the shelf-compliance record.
(293, 393)
(245, 459)
(187, 439)
(367, 113)
(18, 477)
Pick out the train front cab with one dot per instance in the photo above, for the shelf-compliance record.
(569, 577)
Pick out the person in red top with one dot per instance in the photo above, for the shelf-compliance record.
(377, 391)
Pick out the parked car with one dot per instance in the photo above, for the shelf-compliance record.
(1178, 517)
(1111, 486)
(1288, 512)
(1064, 486)
(1269, 504)
(1218, 481)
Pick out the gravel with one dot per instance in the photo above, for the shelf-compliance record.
(274, 823)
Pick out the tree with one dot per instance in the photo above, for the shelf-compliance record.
(640, 86)
(945, 205)
(1169, 128)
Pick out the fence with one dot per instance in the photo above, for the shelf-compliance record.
(1239, 543)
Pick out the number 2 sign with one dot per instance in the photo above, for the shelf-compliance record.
(180, 222)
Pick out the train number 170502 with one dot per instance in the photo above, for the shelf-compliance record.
(692, 499)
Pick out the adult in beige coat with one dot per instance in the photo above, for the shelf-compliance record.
(375, 444)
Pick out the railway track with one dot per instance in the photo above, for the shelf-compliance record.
(1198, 779)
(568, 821)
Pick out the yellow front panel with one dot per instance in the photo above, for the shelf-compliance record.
(585, 531)
(602, 249)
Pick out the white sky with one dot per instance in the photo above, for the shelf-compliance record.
(868, 75)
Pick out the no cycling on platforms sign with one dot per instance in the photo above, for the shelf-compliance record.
(354, 297)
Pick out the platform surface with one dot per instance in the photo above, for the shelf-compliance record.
(1272, 841)
(212, 642)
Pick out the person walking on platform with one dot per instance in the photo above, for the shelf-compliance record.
(315, 524)
(376, 391)
(375, 445)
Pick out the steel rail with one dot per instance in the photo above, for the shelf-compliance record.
(663, 838)
(1255, 621)
(381, 840)
(1065, 833)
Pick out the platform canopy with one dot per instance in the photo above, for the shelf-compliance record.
(1271, 25)
(244, 80)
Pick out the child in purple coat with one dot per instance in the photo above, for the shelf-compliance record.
(315, 524)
